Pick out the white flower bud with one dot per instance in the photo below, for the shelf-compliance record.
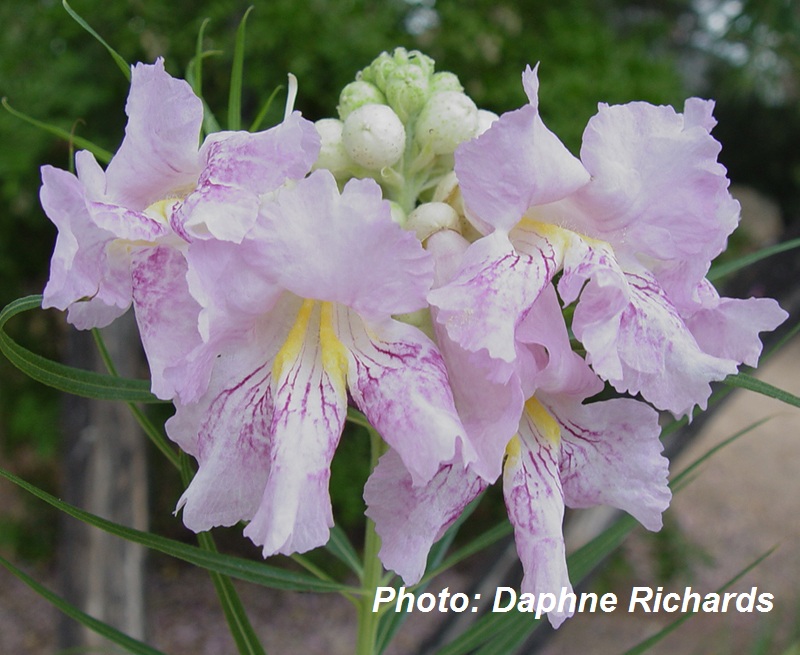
(431, 217)
(357, 94)
(374, 137)
(485, 120)
(332, 154)
(446, 120)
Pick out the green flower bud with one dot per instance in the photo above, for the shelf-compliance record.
(357, 94)
(332, 154)
(447, 119)
(374, 137)
(445, 81)
(377, 72)
(407, 90)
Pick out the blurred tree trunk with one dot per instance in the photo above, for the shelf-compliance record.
(105, 472)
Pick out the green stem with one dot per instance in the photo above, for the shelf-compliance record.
(370, 580)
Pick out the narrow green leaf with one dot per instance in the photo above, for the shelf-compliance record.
(648, 643)
(491, 536)
(123, 65)
(103, 629)
(340, 547)
(196, 65)
(67, 378)
(235, 567)
(265, 108)
(744, 381)
(722, 270)
(237, 72)
(103, 156)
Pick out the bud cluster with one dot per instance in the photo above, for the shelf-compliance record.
(400, 122)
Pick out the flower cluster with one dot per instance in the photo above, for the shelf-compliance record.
(460, 278)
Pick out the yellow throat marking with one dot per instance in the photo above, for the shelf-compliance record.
(543, 420)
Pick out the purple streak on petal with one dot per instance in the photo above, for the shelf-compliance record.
(398, 379)
(409, 519)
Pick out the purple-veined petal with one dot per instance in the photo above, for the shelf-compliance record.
(310, 404)
(159, 154)
(343, 248)
(409, 519)
(167, 317)
(535, 504)
(611, 455)
(634, 337)
(481, 307)
(516, 164)
(398, 379)
(237, 168)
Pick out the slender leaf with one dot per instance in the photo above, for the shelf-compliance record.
(103, 629)
(196, 65)
(265, 108)
(722, 270)
(235, 567)
(67, 378)
(744, 381)
(118, 59)
(103, 156)
(237, 73)
(340, 547)
(648, 643)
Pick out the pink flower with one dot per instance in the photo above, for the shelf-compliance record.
(123, 232)
(308, 298)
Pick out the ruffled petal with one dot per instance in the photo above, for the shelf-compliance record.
(482, 306)
(633, 335)
(343, 248)
(729, 327)
(167, 317)
(159, 155)
(409, 519)
(398, 379)
(310, 405)
(237, 168)
(535, 503)
(516, 164)
(611, 455)
(86, 263)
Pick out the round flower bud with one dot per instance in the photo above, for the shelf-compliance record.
(446, 120)
(445, 81)
(374, 137)
(378, 70)
(485, 120)
(357, 94)
(332, 154)
(407, 90)
(431, 217)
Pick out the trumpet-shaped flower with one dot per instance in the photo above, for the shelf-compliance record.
(562, 452)
(631, 227)
(308, 298)
(123, 232)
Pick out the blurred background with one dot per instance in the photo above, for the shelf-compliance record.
(745, 54)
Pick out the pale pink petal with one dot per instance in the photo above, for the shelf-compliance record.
(535, 503)
(237, 168)
(729, 327)
(343, 248)
(310, 405)
(611, 455)
(482, 306)
(657, 191)
(159, 155)
(85, 262)
(398, 379)
(516, 164)
(409, 519)
(167, 317)
(633, 335)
